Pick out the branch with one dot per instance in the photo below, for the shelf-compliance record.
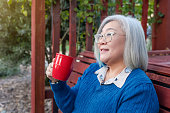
(64, 36)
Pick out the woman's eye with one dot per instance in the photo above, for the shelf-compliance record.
(109, 34)
(100, 36)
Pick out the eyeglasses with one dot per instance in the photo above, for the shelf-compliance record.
(106, 37)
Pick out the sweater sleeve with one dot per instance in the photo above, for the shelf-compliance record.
(64, 95)
(140, 99)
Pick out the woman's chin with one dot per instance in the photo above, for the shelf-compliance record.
(104, 60)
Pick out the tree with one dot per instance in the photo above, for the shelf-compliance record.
(15, 35)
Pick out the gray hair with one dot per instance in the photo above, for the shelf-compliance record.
(135, 52)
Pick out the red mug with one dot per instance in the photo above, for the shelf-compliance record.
(62, 67)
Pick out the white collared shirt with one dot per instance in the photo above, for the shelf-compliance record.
(119, 80)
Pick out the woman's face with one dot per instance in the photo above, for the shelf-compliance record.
(112, 52)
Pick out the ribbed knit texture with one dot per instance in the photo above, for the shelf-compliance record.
(137, 95)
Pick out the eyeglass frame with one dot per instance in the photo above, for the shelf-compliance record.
(104, 36)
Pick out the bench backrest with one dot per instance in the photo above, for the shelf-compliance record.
(158, 71)
(81, 63)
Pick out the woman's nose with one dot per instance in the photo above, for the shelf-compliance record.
(102, 41)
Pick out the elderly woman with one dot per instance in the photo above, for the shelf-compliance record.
(117, 83)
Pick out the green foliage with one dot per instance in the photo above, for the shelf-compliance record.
(6, 69)
(87, 11)
(15, 35)
(65, 15)
(137, 10)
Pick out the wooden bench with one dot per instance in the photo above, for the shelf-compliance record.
(158, 71)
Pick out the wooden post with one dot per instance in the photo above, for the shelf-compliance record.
(119, 3)
(89, 36)
(154, 26)
(162, 38)
(72, 29)
(105, 10)
(55, 39)
(56, 29)
(89, 32)
(132, 6)
(38, 56)
(144, 16)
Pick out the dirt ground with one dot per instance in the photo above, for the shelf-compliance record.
(15, 93)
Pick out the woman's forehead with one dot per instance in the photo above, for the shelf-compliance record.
(113, 25)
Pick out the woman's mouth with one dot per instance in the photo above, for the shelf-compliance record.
(103, 51)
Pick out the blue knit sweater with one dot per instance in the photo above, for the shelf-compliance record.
(137, 95)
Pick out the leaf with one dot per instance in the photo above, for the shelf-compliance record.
(86, 2)
(91, 13)
(9, 2)
(89, 19)
(75, 9)
(25, 13)
(159, 21)
(160, 14)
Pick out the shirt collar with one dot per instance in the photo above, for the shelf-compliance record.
(119, 80)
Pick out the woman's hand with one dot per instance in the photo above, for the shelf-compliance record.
(49, 72)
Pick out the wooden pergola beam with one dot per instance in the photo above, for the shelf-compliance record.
(145, 16)
(104, 12)
(56, 28)
(119, 3)
(132, 6)
(72, 28)
(154, 26)
(161, 37)
(37, 56)
(89, 31)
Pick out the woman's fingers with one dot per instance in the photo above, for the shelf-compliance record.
(51, 64)
(53, 59)
(52, 79)
(48, 74)
(49, 71)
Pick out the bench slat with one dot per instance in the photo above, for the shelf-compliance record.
(159, 69)
(165, 64)
(163, 95)
(163, 111)
(80, 67)
(74, 77)
(157, 59)
(70, 84)
(158, 78)
(158, 52)
(88, 54)
(86, 60)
